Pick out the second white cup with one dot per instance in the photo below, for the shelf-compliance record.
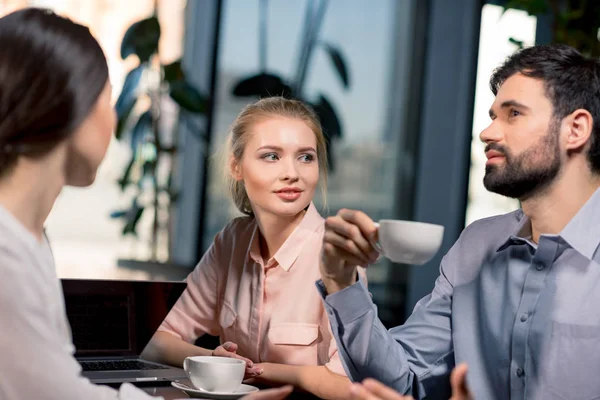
(215, 374)
(408, 242)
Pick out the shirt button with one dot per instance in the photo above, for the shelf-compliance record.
(539, 266)
(523, 317)
(520, 372)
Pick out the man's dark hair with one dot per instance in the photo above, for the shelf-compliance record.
(571, 81)
(52, 72)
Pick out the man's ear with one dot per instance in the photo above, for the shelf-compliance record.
(579, 126)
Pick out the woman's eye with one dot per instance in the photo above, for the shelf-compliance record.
(307, 158)
(270, 157)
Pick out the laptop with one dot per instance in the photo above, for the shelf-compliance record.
(113, 321)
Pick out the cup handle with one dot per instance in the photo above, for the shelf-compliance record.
(376, 245)
(186, 362)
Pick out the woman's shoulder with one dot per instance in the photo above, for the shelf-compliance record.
(229, 245)
(236, 231)
(23, 277)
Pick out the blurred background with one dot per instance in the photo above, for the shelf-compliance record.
(401, 87)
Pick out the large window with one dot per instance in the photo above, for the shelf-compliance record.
(497, 28)
(85, 241)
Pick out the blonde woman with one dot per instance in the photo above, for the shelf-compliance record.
(255, 286)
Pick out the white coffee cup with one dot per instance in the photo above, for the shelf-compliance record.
(215, 374)
(408, 242)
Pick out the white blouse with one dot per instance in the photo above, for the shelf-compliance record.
(36, 351)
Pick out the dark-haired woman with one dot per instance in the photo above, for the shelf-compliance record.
(56, 123)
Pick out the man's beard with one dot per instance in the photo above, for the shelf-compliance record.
(522, 177)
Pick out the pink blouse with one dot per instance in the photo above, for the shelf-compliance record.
(273, 312)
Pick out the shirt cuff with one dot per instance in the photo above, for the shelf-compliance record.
(348, 304)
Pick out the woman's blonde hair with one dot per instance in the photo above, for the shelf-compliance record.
(239, 134)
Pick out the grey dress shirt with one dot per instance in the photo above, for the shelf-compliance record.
(525, 317)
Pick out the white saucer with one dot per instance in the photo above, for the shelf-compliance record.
(203, 394)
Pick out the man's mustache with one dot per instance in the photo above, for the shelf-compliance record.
(496, 147)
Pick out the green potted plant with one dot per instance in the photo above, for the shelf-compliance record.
(574, 22)
(147, 180)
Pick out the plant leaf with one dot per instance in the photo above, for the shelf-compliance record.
(128, 92)
(332, 128)
(574, 14)
(532, 7)
(141, 39)
(141, 128)
(174, 197)
(122, 120)
(127, 98)
(519, 43)
(336, 57)
(262, 85)
(118, 214)
(188, 97)
(125, 178)
(132, 218)
(148, 169)
(328, 117)
(173, 71)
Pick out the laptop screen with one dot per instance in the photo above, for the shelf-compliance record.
(116, 318)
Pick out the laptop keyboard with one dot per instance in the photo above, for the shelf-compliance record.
(125, 365)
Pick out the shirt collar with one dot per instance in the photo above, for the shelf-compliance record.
(582, 233)
(254, 248)
(290, 250)
(520, 235)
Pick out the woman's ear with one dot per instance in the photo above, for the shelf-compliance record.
(235, 169)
